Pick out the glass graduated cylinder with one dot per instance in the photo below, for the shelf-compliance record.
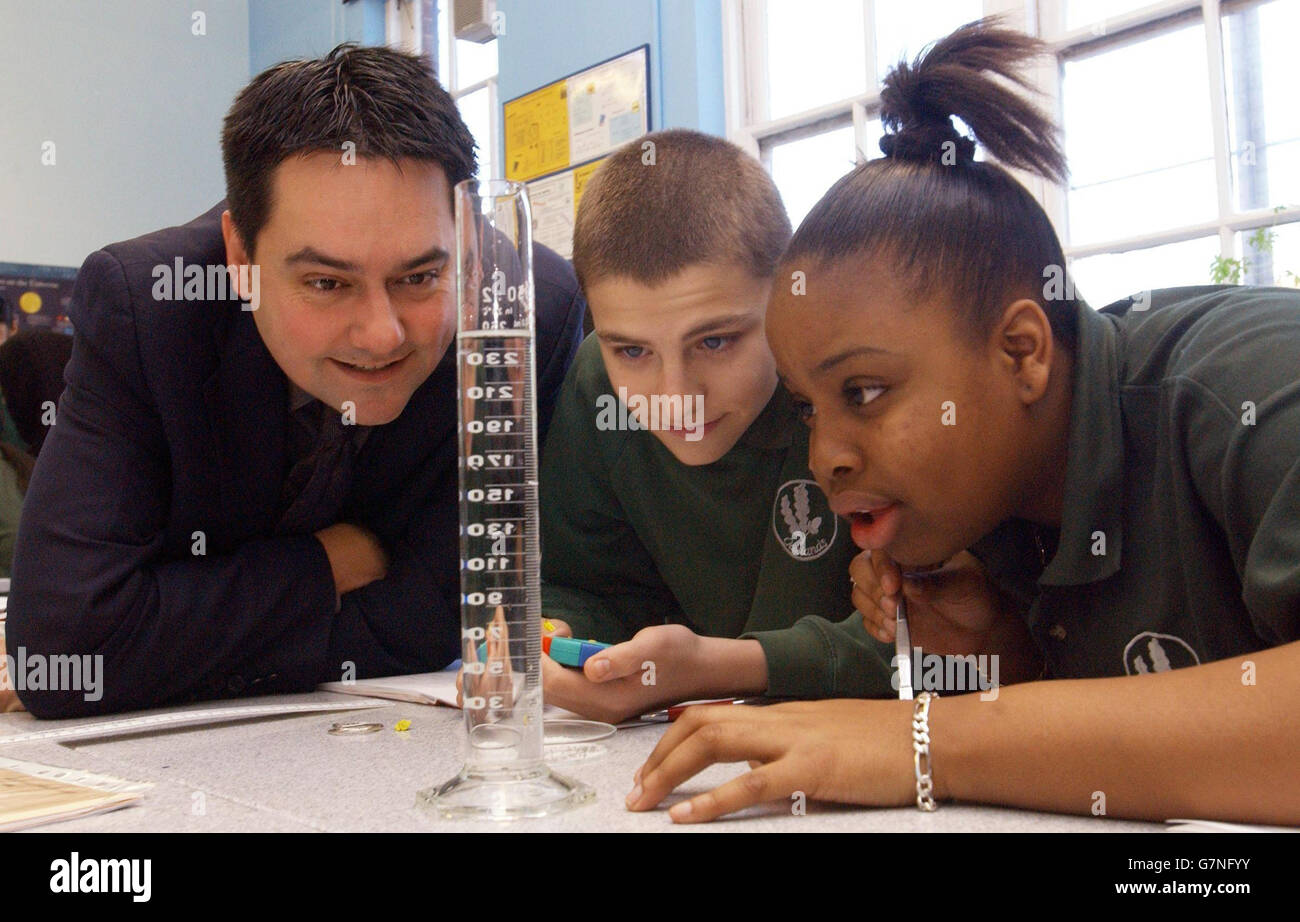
(500, 550)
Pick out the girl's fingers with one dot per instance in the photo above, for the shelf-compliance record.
(878, 613)
(875, 623)
(774, 781)
(865, 572)
(863, 600)
(888, 574)
(877, 580)
(712, 735)
(683, 727)
(861, 572)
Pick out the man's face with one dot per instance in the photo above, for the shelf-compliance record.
(357, 300)
(697, 336)
(917, 432)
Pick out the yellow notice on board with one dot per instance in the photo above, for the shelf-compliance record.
(537, 132)
(580, 177)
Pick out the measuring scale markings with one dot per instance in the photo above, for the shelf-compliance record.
(498, 496)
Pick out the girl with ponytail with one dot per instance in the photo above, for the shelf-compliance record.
(1100, 509)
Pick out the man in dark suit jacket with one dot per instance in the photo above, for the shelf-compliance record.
(244, 501)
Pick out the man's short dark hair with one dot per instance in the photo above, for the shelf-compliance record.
(386, 102)
(650, 212)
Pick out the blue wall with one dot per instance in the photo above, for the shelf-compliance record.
(132, 100)
(279, 30)
(544, 41)
(692, 69)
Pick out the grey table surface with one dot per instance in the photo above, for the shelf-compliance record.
(288, 774)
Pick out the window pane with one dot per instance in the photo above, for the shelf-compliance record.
(901, 33)
(475, 111)
(803, 170)
(816, 53)
(1103, 279)
(1087, 12)
(872, 132)
(1262, 73)
(1275, 264)
(475, 62)
(1138, 137)
(444, 59)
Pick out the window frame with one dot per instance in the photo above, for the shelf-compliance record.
(403, 30)
(746, 93)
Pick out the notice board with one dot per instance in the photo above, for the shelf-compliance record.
(556, 136)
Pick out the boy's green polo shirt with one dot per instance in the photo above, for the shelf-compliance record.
(1180, 534)
(747, 545)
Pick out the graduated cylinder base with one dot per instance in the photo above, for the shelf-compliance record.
(504, 794)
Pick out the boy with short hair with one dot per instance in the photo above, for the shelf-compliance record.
(679, 518)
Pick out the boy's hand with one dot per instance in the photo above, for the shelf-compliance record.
(954, 609)
(552, 626)
(497, 681)
(661, 665)
(844, 751)
(555, 627)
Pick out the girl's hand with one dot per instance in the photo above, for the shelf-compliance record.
(949, 610)
(954, 610)
(845, 751)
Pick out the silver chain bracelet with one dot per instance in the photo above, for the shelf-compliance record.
(921, 751)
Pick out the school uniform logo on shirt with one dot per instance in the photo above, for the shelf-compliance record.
(802, 520)
(1152, 652)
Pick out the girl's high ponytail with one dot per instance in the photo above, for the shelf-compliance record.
(929, 212)
(971, 74)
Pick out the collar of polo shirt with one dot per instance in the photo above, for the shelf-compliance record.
(1094, 473)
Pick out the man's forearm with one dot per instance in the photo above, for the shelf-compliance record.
(211, 626)
(408, 621)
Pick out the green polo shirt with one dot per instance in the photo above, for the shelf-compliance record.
(1179, 540)
(745, 546)
(11, 509)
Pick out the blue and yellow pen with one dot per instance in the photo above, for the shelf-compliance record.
(564, 650)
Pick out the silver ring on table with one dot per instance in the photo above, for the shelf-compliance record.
(357, 729)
